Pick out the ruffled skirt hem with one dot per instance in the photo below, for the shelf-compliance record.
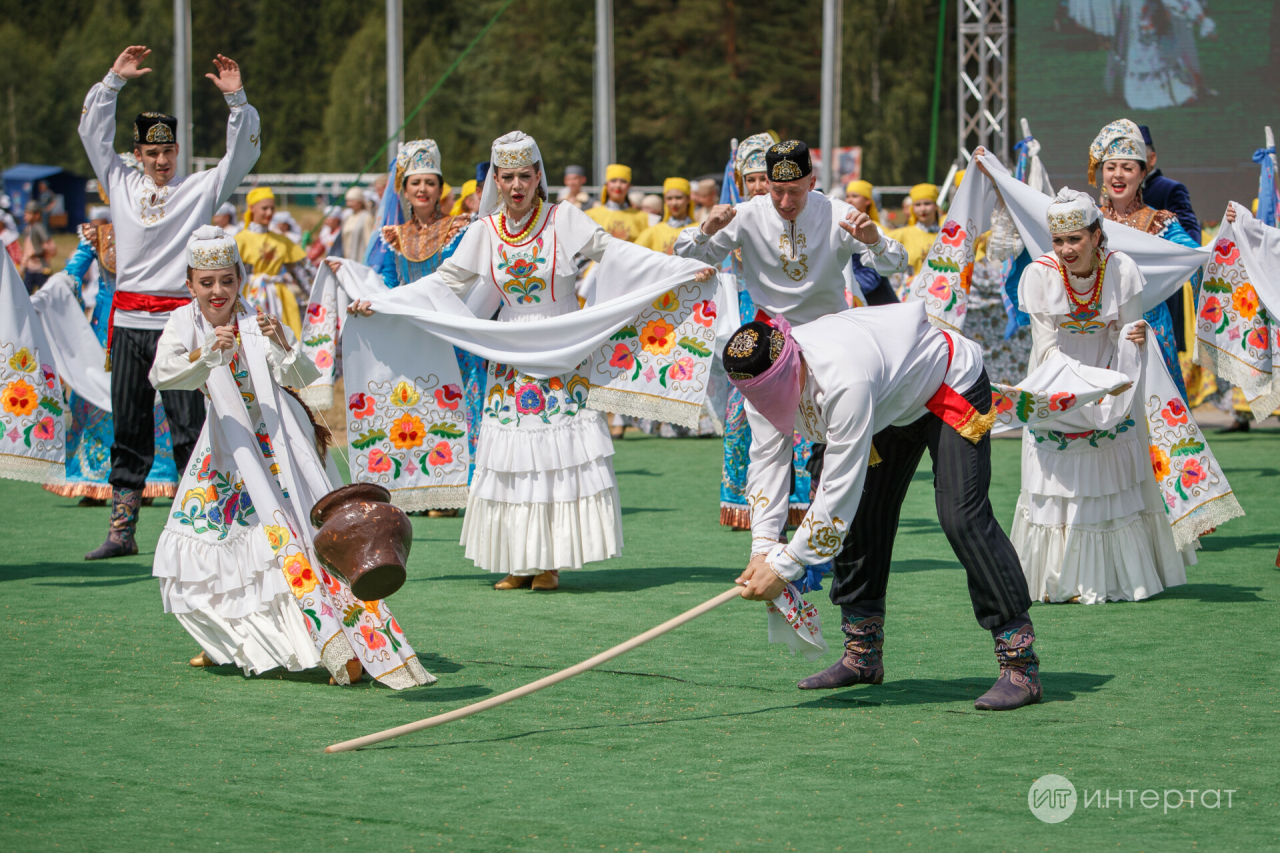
(1128, 559)
(527, 538)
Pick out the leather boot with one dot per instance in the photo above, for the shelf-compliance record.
(862, 661)
(124, 521)
(547, 581)
(1019, 681)
(514, 582)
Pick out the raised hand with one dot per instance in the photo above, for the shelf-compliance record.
(228, 77)
(720, 216)
(224, 337)
(126, 64)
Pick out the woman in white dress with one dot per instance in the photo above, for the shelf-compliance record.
(544, 497)
(235, 561)
(1090, 524)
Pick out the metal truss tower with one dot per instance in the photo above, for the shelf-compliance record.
(983, 60)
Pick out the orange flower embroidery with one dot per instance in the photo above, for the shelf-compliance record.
(20, 398)
(658, 337)
(407, 432)
(1245, 300)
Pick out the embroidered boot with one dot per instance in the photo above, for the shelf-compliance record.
(124, 521)
(1019, 682)
(862, 662)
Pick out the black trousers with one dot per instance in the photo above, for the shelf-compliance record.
(133, 410)
(961, 479)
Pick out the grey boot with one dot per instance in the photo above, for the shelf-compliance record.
(1019, 681)
(124, 521)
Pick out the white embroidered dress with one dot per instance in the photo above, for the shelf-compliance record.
(544, 495)
(1090, 521)
(235, 561)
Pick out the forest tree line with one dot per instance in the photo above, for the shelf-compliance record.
(689, 75)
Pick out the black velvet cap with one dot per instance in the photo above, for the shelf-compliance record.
(155, 129)
(752, 350)
(788, 161)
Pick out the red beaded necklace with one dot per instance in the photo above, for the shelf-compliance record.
(1092, 296)
(515, 239)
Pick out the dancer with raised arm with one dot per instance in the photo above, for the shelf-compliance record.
(153, 214)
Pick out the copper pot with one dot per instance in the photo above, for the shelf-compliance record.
(364, 538)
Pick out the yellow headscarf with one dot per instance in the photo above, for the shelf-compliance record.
(616, 170)
(1255, 207)
(468, 190)
(924, 192)
(864, 189)
(256, 195)
(675, 184)
(959, 178)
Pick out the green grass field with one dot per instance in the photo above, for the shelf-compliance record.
(698, 741)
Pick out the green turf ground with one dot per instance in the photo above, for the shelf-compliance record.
(698, 741)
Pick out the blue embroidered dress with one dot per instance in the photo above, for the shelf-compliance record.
(90, 434)
(408, 253)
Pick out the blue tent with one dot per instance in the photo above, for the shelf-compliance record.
(20, 182)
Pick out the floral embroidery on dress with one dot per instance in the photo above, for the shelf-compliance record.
(514, 396)
(31, 403)
(524, 286)
(407, 433)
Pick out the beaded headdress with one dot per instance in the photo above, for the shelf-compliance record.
(1120, 140)
(211, 248)
(419, 157)
(1072, 210)
(510, 151)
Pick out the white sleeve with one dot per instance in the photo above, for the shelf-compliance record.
(887, 256)
(244, 144)
(459, 280)
(173, 369)
(98, 128)
(693, 243)
(768, 482)
(821, 533)
(288, 367)
(594, 249)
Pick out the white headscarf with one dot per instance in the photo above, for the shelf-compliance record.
(1071, 210)
(509, 151)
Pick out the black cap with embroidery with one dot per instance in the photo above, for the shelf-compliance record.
(752, 350)
(155, 129)
(788, 161)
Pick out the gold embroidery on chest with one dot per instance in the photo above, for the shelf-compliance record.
(792, 254)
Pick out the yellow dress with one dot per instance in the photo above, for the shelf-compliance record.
(661, 237)
(917, 242)
(624, 224)
(266, 254)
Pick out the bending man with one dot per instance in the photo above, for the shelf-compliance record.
(878, 386)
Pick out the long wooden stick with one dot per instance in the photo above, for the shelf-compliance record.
(534, 687)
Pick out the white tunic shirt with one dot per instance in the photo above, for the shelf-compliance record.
(796, 269)
(153, 223)
(867, 369)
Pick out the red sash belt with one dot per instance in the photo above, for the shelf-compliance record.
(129, 301)
(957, 412)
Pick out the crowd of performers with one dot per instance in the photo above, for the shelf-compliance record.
(494, 344)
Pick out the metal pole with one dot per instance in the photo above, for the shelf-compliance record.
(937, 91)
(395, 74)
(182, 82)
(829, 126)
(605, 151)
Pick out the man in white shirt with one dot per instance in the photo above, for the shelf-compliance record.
(153, 214)
(878, 386)
(796, 243)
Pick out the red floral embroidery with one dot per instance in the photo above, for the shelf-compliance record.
(1225, 252)
(449, 397)
(951, 234)
(361, 405)
(1175, 413)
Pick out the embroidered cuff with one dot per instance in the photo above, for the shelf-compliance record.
(762, 544)
(236, 98)
(113, 81)
(783, 564)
